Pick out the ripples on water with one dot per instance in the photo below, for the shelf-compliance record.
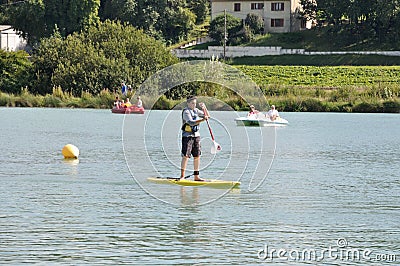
(334, 176)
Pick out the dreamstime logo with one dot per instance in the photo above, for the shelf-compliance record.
(151, 142)
(339, 252)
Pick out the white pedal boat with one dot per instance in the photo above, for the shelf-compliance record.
(260, 122)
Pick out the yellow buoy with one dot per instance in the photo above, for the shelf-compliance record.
(70, 152)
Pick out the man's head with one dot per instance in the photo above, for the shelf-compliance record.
(273, 107)
(191, 101)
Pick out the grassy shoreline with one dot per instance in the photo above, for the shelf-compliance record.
(291, 88)
(310, 100)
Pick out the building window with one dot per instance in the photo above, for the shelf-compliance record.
(257, 6)
(236, 7)
(277, 22)
(277, 6)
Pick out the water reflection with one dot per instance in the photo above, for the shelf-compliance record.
(72, 165)
(189, 198)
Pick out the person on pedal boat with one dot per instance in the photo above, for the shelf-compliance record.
(191, 119)
(127, 103)
(273, 113)
(253, 112)
(139, 102)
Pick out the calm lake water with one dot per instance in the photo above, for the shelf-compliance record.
(330, 186)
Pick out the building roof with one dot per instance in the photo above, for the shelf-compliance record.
(5, 27)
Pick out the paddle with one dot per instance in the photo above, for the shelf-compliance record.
(216, 147)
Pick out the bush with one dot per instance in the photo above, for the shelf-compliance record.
(27, 99)
(52, 101)
(5, 99)
(290, 104)
(163, 103)
(365, 107)
(15, 71)
(106, 98)
(233, 26)
(331, 107)
(87, 100)
(101, 57)
(255, 23)
(313, 105)
(391, 107)
(243, 36)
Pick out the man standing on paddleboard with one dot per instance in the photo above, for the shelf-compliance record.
(191, 119)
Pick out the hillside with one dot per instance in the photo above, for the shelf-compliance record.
(323, 40)
(317, 39)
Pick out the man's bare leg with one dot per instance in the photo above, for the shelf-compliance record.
(196, 163)
(183, 166)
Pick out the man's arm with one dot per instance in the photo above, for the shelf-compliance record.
(187, 117)
(200, 113)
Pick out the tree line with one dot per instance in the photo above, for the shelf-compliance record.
(362, 19)
(170, 21)
(100, 57)
(90, 45)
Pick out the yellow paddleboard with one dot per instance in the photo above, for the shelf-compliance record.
(192, 183)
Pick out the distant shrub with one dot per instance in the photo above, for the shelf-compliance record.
(255, 23)
(290, 104)
(5, 99)
(313, 105)
(365, 107)
(99, 57)
(15, 71)
(52, 101)
(331, 107)
(58, 92)
(244, 35)
(391, 107)
(106, 98)
(233, 26)
(163, 103)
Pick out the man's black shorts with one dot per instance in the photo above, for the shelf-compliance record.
(191, 146)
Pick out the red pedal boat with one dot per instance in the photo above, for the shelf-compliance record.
(128, 110)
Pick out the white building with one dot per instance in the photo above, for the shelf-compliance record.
(278, 15)
(10, 40)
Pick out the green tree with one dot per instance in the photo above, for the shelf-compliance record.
(143, 14)
(122, 10)
(15, 71)
(201, 8)
(372, 19)
(90, 61)
(385, 20)
(233, 27)
(255, 23)
(27, 17)
(309, 10)
(39, 18)
(178, 23)
(167, 20)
